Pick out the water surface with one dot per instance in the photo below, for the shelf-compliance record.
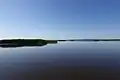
(63, 61)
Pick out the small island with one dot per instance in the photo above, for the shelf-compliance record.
(25, 42)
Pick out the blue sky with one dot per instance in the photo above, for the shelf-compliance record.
(59, 19)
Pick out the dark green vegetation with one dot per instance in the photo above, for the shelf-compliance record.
(25, 42)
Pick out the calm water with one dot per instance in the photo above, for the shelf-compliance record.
(63, 61)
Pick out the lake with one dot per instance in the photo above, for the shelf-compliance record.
(62, 61)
